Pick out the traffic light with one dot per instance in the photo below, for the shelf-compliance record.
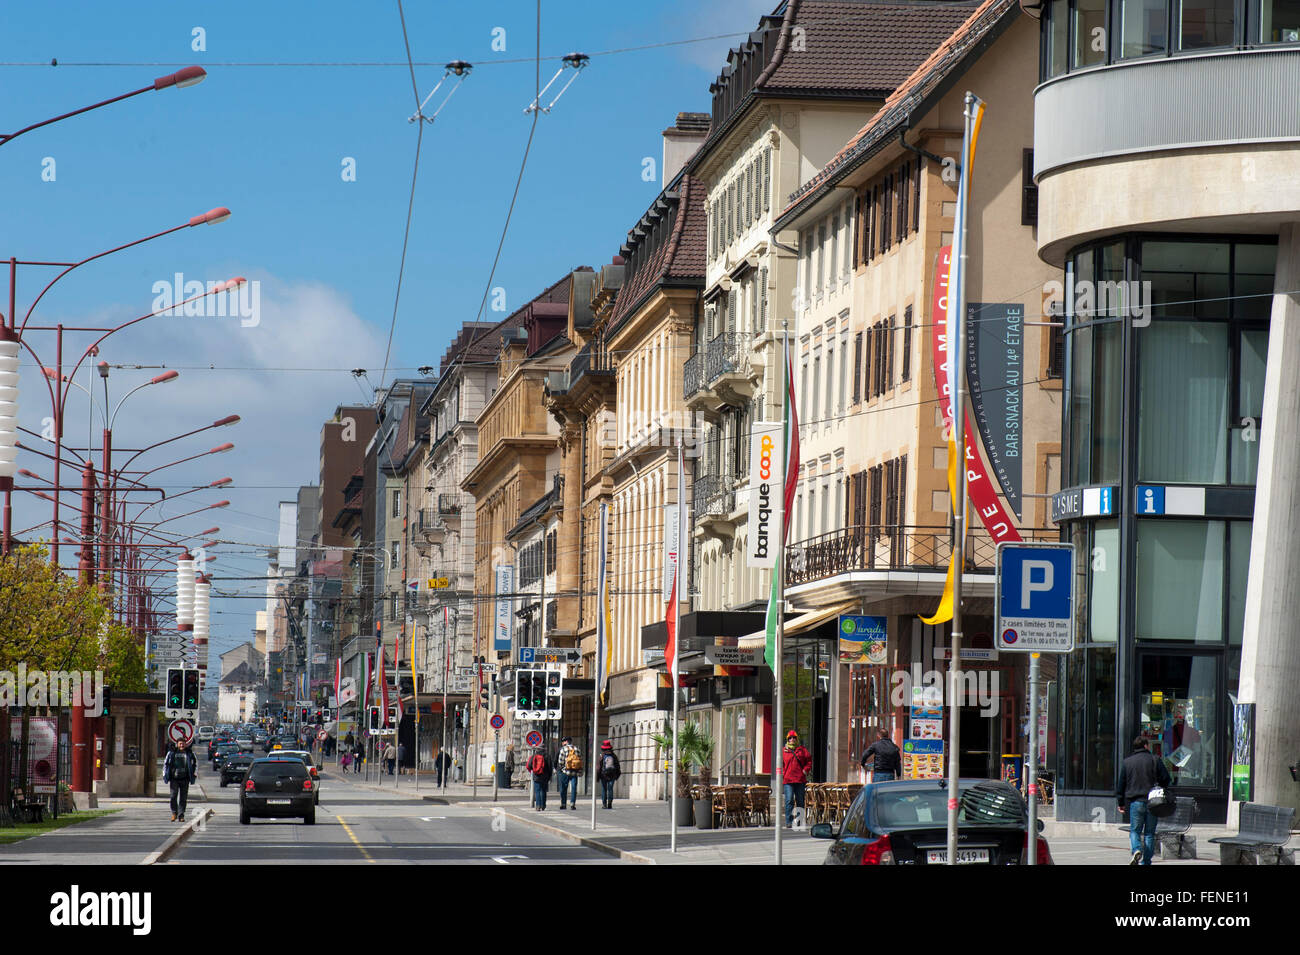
(175, 688)
(539, 694)
(373, 723)
(523, 691)
(191, 690)
(484, 696)
(554, 693)
(304, 714)
(325, 714)
(394, 715)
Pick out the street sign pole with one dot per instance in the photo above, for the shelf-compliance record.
(1031, 772)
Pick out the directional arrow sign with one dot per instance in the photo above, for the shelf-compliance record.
(549, 655)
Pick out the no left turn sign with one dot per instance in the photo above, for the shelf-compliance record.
(180, 731)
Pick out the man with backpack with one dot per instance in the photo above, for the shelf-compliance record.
(1141, 774)
(540, 766)
(570, 763)
(608, 771)
(179, 770)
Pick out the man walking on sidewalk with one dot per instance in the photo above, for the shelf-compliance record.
(179, 768)
(570, 764)
(608, 771)
(1140, 774)
(540, 766)
(882, 759)
(443, 766)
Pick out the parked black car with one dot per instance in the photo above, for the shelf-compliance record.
(905, 822)
(277, 788)
(235, 766)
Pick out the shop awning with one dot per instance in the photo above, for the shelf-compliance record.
(800, 624)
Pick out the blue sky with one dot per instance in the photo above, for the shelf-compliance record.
(269, 142)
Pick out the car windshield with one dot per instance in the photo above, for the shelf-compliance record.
(276, 768)
(981, 805)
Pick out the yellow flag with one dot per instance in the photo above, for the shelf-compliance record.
(944, 613)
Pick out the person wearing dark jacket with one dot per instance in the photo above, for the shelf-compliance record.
(882, 759)
(180, 769)
(1142, 772)
(607, 771)
(539, 764)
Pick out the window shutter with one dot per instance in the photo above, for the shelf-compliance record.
(757, 179)
(886, 208)
(874, 240)
(848, 238)
(1056, 353)
(904, 182)
(857, 368)
(1028, 191)
(731, 311)
(835, 247)
(762, 293)
(857, 239)
(889, 351)
(916, 196)
(767, 179)
(744, 204)
(902, 493)
(753, 302)
(907, 344)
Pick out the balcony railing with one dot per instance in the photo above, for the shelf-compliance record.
(449, 504)
(895, 547)
(593, 359)
(723, 355)
(693, 375)
(429, 521)
(715, 495)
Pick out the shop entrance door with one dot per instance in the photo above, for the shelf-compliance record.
(979, 742)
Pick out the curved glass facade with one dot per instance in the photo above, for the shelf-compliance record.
(1078, 34)
(1166, 345)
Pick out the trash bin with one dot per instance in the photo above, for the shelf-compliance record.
(503, 776)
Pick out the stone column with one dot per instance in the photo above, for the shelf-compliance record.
(1270, 652)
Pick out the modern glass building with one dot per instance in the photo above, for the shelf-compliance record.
(1166, 159)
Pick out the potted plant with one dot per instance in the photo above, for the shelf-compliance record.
(687, 738)
(703, 790)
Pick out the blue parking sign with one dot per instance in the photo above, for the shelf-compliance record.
(1034, 605)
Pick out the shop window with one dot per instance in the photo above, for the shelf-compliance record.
(1074, 700)
(1104, 568)
(1205, 23)
(1253, 268)
(1101, 719)
(1188, 279)
(1180, 577)
(1143, 28)
(1279, 21)
(1183, 403)
(1178, 709)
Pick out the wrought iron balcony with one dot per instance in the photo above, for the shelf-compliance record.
(429, 523)
(693, 375)
(449, 504)
(896, 547)
(592, 360)
(723, 355)
(715, 495)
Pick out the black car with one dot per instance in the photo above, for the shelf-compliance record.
(234, 766)
(307, 761)
(905, 822)
(222, 752)
(275, 788)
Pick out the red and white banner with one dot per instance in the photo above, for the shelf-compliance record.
(981, 491)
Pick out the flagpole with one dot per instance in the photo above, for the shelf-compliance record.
(778, 669)
(415, 690)
(958, 359)
(677, 625)
(602, 637)
(446, 675)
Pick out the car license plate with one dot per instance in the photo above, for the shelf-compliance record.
(964, 856)
(286, 802)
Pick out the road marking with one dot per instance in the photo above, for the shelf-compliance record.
(501, 860)
(431, 818)
(355, 840)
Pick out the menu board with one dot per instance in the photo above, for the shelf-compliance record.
(923, 759)
(926, 722)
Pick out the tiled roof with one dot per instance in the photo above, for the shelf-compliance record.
(681, 257)
(862, 44)
(401, 440)
(944, 57)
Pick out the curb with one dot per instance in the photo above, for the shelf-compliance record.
(175, 839)
(586, 841)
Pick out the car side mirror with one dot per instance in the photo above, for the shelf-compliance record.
(822, 830)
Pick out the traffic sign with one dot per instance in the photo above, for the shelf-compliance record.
(180, 731)
(322, 736)
(1035, 587)
(537, 655)
(497, 721)
(438, 583)
(534, 738)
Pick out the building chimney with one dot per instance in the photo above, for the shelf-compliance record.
(681, 140)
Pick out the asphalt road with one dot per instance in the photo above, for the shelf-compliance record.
(355, 825)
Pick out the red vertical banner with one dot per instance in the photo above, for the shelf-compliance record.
(980, 489)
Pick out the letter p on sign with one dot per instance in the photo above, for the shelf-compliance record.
(1029, 585)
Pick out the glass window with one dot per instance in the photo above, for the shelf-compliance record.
(1178, 707)
(1143, 28)
(1057, 22)
(1188, 279)
(1103, 605)
(1180, 580)
(1205, 23)
(1279, 21)
(1080, 340)
(1108, 401)
(1253, 356)
(1239, 534)
(1073, 725)
(1183, 403)
(1089, 33)
(1252, 277)
(1101, 719)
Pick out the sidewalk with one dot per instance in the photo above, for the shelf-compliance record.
(141, 827)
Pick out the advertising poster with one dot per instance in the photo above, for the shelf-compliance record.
(923, 759)
(765, 483)
(864, 639)
(995, 369)
(1243, 750)
(926, 722)
(503, 619)
(43, 753)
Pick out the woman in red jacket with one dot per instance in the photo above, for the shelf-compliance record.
(796, 764)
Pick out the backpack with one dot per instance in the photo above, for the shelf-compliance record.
(573, 762)
(607, 766)
(180, 768)
(537, 765)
